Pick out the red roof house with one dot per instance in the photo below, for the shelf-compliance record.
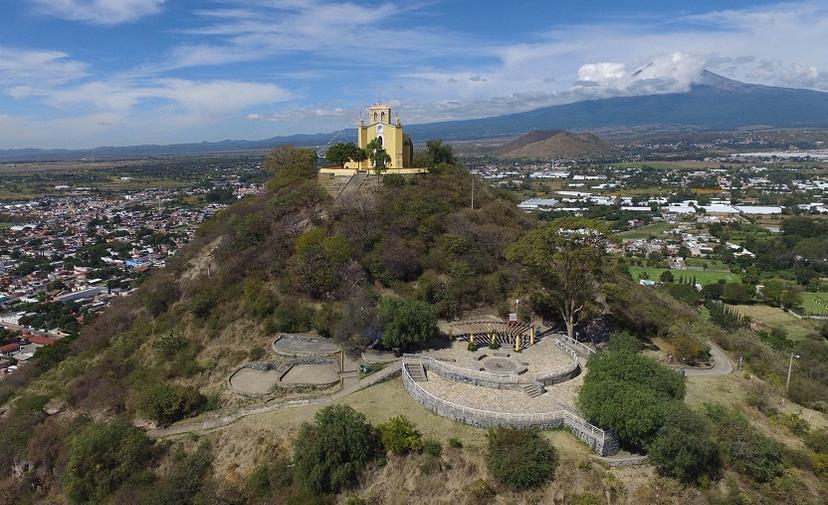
(40, 340)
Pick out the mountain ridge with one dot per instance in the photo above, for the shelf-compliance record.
(714, 103)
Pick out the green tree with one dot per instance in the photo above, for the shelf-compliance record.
(436, 153)
(342, 153)
(101, 458)
(331, 453)
(684, 448)
(406, 322)
(400, 436)
(378, 156)
(563, 259)
(666, 276)
(735, 292)
(520, 458)
(318, 260)
(288, 162)
(630, 393)
(166, 403)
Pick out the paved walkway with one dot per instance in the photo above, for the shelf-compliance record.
(721, 365)
(229, 418)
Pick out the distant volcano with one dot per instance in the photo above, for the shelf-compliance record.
(546, 144)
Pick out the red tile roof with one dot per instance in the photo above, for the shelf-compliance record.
(9, 347)
(40, 340)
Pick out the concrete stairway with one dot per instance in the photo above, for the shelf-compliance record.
(416, 371)
(533, 389)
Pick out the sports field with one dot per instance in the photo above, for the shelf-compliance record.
(702, 277)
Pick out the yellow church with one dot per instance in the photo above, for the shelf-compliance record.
(396, 143)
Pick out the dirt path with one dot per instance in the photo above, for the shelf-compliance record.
(721, 365)
(231, 417)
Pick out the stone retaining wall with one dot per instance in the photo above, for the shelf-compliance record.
(603, 442)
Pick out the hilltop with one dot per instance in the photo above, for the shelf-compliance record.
(555, 144)
(295, 259)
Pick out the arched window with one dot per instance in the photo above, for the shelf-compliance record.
(375, 116)
(383, 117)
(379, 137)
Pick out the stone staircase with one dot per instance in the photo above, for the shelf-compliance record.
(533, 389)
(416, 371)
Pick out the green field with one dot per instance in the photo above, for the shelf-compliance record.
(711, 264)
(654, 229)
(815, 303)
(767, 318)
(702, 277)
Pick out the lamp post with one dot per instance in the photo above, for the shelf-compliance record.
(788, 382)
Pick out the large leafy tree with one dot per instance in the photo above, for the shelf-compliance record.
(630, 393)
(331, 453)
(344, 152)
(406, 322)
(562, 259)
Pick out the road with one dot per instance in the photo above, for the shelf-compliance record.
(721, 365)
(25, 329)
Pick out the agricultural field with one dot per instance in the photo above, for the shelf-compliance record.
(815, 304)
(702, 277)
(766, 318)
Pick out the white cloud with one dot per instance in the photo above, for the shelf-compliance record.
(99, 12)
(209, 98)
(344, 31)
(19, 67)
(295, 114)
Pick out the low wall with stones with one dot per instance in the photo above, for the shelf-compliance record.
(467, 376)
(603, 442)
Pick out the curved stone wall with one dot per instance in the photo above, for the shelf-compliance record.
(601, 441)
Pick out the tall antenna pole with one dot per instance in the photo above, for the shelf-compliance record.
(472, 194)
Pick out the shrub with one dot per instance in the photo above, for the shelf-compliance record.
(520, 458)
(160, 295)
(432, 447)
(183, 482)
(743, 448)
(331, 453)
(584, 499)
(102, 457)
(270, 479)
(393, 180)
(455, 443)
(472, 345)
(167, 403)
(400, 436)
(479, 492)
(256, 353)
(684, 449)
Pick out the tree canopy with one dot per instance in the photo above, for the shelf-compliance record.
(629, 393)
(331, 453)
(562, 259)
(344, 152)
(406, 322)
(520, 458)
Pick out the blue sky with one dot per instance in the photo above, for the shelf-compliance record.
(84, 73)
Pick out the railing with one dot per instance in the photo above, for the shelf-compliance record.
(577, 346)
(442, 366)
(485, 417)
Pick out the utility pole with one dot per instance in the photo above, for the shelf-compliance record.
(472, 194)
(790, 367)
